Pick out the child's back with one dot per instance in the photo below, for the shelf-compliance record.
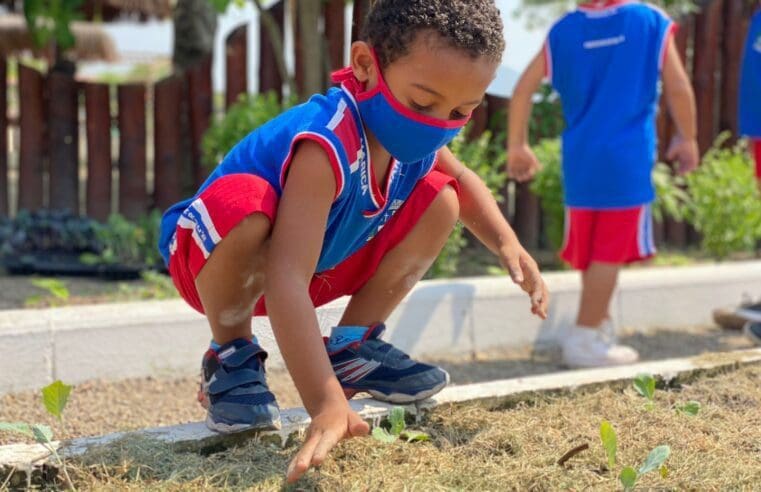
(605, 63)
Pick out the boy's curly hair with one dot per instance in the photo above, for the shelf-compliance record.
(474, 26)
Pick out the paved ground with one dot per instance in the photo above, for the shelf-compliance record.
(100, 407)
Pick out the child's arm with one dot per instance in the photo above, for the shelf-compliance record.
(521, 161)
(482, 216)
(296, 242)
(681, 102)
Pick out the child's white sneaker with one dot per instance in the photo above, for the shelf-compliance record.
(595, 347)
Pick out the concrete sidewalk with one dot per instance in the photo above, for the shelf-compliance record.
(438, 318)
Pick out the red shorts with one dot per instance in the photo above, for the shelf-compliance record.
(755, 150)
(230, 199)
(607, 236)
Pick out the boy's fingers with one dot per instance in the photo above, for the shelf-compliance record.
(327, 442)
(357, 426)
(514, 268)
(300, 463)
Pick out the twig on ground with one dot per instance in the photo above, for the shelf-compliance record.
(570, 454)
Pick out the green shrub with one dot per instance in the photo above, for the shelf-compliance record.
(726, 205)
(485, 155)
(546, 116)
(127, 243)
(245, 116)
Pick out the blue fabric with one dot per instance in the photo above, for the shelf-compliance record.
(750, 81)
(341, 336)
(215, 346)
(357, 213)
(605, 64)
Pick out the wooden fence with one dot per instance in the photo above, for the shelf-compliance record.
(54, 110)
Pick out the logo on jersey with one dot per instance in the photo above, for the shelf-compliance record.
(605, 42)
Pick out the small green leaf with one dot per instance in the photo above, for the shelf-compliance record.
(649, 406)
(89, 259)
(42, 433)
(655, 459)
(396, 419)
(382, 435)
(664, 471)
(628, 477)
(54, 287)
(415, 436)
(691, 408)
(609, 442)
(55, 396)
(17, 428)
(645, 385)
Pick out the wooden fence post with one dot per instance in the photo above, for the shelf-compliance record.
(706, 53)
(132, 158)
(334, 31)
(236, 65)
(361, 8)
(269, 75)
(200, 109)
(63, 124)
(98, 110)
(168, 137)
(3, 137)
(735, 29)
(32, 148)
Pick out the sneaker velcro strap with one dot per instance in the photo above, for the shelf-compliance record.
(225, 381)
(243, 355)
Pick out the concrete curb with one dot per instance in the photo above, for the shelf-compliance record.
(25, 460)
(457, 316)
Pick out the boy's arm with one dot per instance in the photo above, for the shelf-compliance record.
(681, 103)
(521, 161)
(481, 215)
(296, 242)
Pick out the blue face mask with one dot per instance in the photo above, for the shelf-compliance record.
(408, 136)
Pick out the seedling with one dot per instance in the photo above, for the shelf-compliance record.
(54, 398)
(645, 386)
(691, 408)
(398, 429)
(628, 475)
(56, 289)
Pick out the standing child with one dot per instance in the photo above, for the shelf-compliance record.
(352, 193)
(605, 60)
(750, 126)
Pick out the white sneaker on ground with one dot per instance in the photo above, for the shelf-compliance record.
(595, 347)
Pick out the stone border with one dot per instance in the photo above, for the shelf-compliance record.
(438, 318)
(31, 459)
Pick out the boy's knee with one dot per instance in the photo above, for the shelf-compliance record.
(446, 207)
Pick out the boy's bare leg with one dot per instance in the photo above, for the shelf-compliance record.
(232, 279)
(406, 264)
(598, 284)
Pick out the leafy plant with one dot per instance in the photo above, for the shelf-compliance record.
(691, 408)
(398, 429)
(546, 116)
(726, 203)
(54, 398)
(628, 475)
(245, 116)
(50, 20)
(548, 186)
(645, 386)
(609, 442)
(127, 243)
(57, 290)
(671, 198)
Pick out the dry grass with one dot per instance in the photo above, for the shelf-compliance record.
(477, 448)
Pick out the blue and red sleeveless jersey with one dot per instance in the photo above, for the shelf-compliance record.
(750, 81)
(605, 59)
(360, 208)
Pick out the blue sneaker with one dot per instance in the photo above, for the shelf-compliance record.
(388, 374)
(234, 389)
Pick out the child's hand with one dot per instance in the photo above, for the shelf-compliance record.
(522, 164)
(328, 427)
(525, 272)
(685, 152)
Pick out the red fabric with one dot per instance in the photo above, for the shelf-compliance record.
(232, 198)
(755, 145)
(607, 236)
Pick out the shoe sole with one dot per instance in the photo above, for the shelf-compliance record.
(750, 334)
(749, 315)
(224, 428)
(403, 398)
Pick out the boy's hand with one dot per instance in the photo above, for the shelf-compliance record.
(328, 427)
(522, 164)
(525, 273)
(685, 152)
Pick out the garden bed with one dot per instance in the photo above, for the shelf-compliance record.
(500, 443)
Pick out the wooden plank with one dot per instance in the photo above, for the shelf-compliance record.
(361, 8)
(168, 138)
(528, 216)
(97, 107)
(335, 22)
(32, 146)
(269, 75)
(3, 137)
(133, 199)
(706, 55)
(236, 65)
(63, 124)
(299, 68)
(200, 104)
(735, 28)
